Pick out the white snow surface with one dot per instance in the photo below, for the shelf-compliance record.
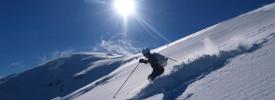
(232, 60)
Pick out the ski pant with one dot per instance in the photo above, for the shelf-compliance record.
(155, 73)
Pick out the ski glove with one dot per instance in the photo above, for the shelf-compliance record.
(142, 61)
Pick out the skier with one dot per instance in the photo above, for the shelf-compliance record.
(156, 61)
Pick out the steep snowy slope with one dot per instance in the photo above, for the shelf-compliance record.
(230, 60)
(250, 76)
(58, 77)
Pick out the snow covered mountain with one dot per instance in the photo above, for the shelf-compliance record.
(234, 59)
(58, 77)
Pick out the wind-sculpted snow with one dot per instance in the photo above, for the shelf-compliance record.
(175, 83)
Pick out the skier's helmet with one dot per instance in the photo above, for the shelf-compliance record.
(146, 52)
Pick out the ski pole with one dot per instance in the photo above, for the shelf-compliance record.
(172, 59)
(126, 80)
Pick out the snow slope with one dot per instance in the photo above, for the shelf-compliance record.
(249, 76)
(58, 77)
(231, 60)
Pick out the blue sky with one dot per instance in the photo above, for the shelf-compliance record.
(32, 31)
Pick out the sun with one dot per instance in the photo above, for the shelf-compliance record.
(124, 7)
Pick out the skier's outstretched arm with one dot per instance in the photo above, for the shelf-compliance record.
(143, 61)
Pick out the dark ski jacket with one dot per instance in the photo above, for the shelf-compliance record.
(153, 62)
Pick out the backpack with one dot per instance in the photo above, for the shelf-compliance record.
(161, 60)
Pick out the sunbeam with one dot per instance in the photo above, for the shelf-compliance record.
(148, 27)
(125, 8)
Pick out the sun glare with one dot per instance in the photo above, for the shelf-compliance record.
(124, 7)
